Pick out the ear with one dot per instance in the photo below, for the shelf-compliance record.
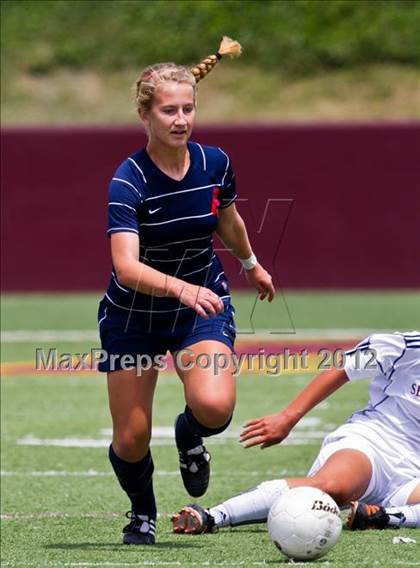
(144, 116)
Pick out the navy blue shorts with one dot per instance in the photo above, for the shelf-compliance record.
(129, 334)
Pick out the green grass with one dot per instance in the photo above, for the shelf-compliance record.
(88, 510)
(394, 311)
(305, 60)
(74, 520)
(232, 94)
(299, 37)
(309, 309)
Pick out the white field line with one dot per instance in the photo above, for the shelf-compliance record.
(303, 434)
(62, 515)
(144, 563)
(356, 562)
(159, 473)
(232, 432)
(75, 335)
(308, 438)
(25, 335)
(57, 515)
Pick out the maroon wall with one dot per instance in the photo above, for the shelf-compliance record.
(351, 199)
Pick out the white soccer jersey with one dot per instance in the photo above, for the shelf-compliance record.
(392, 362)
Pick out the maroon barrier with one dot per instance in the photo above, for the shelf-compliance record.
(349, 194)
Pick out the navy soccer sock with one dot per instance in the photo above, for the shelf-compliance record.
(136, 480)
(189, 431)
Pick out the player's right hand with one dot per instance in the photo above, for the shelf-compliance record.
(266, 431)
(205, 302)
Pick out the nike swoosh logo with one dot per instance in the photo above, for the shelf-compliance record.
(151, 211)
(224, 333)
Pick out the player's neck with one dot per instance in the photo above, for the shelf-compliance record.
(174, 162)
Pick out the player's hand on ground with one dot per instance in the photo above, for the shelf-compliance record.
(266, 431)
(262, 281)
(205, 302)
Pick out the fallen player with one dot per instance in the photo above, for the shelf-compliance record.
(370, 463)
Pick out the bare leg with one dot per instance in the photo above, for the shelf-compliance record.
(130, 402)
(209, 388)
(345, 476)
(414, 497)
(209, 393)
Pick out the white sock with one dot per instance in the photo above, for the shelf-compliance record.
(252, 506)
(407, 516)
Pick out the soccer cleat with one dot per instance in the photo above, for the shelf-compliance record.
(194, 465)
(140, 530)
(193, 519)
(363, 516)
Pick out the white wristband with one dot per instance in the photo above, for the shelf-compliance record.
(249, 263)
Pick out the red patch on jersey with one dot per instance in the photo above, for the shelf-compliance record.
(215, 201)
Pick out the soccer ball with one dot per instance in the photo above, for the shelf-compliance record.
(304, 523)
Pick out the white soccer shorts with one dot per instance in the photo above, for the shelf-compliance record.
(395, 464)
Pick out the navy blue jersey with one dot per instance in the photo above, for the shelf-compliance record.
(175, 221)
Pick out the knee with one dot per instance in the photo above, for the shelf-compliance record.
(131, 444)
(335, 488)
(213, 412)
(414, 496)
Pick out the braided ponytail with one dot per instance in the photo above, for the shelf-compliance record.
(227, 47)
(153, 75)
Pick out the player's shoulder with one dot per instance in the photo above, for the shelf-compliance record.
(213, 157)
(397, 340)
(390, 346)
(129, 175)
(411, 338)
(380, 353)
(133, 168)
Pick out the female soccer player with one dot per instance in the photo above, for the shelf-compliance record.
(168, 290)
(373, 458)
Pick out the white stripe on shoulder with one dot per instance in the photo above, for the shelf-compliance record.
(122, 205)
(411, 334)
(174, 220)
(122, 229)
(204, 156)
(139, 168)
(130, 185)
(227, 164)
(182, 191)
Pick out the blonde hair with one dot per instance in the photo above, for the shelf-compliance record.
(154, 74)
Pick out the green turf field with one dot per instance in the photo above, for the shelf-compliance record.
(61, 505)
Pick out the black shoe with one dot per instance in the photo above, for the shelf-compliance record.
(141, 529)
(194, 465)
(193, 519)
(363, 516)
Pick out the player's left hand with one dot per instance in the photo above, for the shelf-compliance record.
(267, 431)
(262, 281)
